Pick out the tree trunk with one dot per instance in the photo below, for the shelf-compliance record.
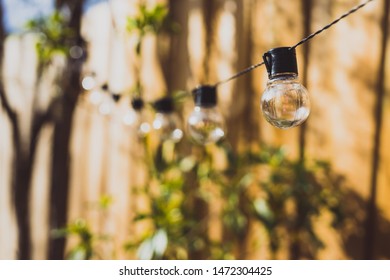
(369, 252)
(70, 85)
(22, 167)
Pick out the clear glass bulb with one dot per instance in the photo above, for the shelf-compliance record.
(206, 125)
(95, 97)
(285, 102)
(88, 82)
(167, 126)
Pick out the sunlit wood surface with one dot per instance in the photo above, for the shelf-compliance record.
(342, 75)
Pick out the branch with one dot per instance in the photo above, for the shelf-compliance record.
(3, 97)
(40, 119)
(7, 107)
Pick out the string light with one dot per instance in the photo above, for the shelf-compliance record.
(166, 123)
(88, 82)
(205, 124)
(285, 102)
(135, 118)
(107, 104)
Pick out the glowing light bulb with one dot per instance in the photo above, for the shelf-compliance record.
(95, 97)
(205, 124)
(285, 102)
(107, 104)
(76, 52)
(95, 94)
(89, 82)
(166, 123)
(106, 107)
(129, 118)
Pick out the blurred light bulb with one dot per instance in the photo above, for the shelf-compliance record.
(107, 106)
(166, 122)
(285, 102)
(76, 52)
(143, 129)
(134, 118)
(108, 102)
(88, 82)
(205, 124)
(95, 94)
(96, 97)
(130, 117)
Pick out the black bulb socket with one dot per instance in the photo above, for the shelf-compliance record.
(205, 96)
(105, 87)
(164, 105)
(280, 61)
(137, 104)
(116, 97)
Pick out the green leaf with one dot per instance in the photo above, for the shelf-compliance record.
(140, 217)
(146, 250)
(263, 210)
(132, 24)
(78, 253)
(187, 163)
(105, 201)
(246, 180)
(160, 242)
(54, 36)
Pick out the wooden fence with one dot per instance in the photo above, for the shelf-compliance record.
(345, 70)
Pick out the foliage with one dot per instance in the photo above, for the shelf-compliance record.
(88, 241)
(294, 194)
(152, 20)
(84, 249)
(285, 200)
(167, 213)
(53, 35)
(266, 188)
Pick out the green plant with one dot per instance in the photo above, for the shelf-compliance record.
(53, 36)
(170, 232)
(88, 241)
(292, 196)
(153, 20)
(267, 188)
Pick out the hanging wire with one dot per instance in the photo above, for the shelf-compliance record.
(239, 74)
(330, 24)
(304, 40)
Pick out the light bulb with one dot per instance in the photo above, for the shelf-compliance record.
(166, 123)
(205, 124)
(135, 119)
(95, 97)
(107, 105)
(89, 81)
(94, 93)
(285, 102)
